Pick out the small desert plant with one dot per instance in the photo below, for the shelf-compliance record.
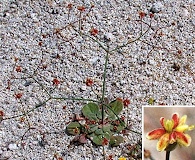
(100, 123)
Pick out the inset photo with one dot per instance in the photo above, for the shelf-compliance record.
(168, 133)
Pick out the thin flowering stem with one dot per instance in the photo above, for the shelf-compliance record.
(104, 85)
(104, 76)
(167, 155)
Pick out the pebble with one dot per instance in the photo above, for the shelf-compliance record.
(185, 13)
(6, 154)
(94, 60)
(157, 7)
(12, 146)
(152, 62)
(109, 37)
(83, 88)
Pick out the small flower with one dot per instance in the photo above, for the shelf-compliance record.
(122, 158)
(22, 119)
(1, 113)
(40, 43)
(179, 52)
(126, 102)
(76, 130)
(18, 69)
(104, 142)
(56, 82)
(151, 15)
(115, 128)
(94, 31)
(123, 118)
(81, 8)
(69, 6)
(18, 95)
(151, 101)
(15, 59)
(172, 133)
(124, 132)
(89, 82)
(142, 14)
(110, 157)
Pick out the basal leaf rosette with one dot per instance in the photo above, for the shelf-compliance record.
(172, 133)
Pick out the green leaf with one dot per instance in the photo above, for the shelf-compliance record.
(99, 114)
(99, 131)
(97, 139)
(106, 128)
(115, 140)
(74, 128)
(93, 128)
(118, 128)
(90, 111)
(115, 108)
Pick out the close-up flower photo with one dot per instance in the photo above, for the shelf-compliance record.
(168, 133)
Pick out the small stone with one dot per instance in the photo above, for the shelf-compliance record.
(6, 154)
(185, 13)
(94, 60)
(83, 88)
(34, 17)
(12, 146)
(192, 22)
(152, 62)
(19, 125)
(156, 7)
(109, 37)
(27, 83)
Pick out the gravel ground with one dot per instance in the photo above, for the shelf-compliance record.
(39, 45)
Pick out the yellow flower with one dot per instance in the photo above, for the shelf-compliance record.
(122, 158)
(172, 133)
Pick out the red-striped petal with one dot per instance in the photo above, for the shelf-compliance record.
(163, 142)
(183, 139)
(162, 119)
(175, 118)
(172, 138)
(155, 134)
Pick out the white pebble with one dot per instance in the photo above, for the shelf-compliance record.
(157, 7)
(109, 37)
(12, 146)
(83, 88)
(94, 60)
(6, 154)
(185, 13)
(152, 62)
